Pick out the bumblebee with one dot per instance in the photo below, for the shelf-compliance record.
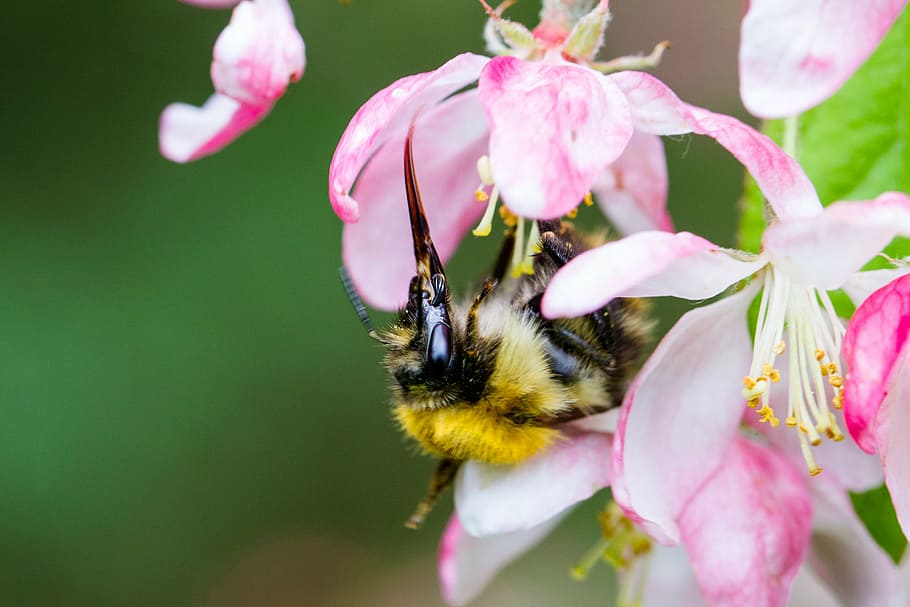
(492, 379)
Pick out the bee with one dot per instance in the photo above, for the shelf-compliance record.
(492, 380)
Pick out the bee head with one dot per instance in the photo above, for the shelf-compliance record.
(428, 296)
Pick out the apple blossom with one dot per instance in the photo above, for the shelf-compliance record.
(794, 55)
(876, 410)
(255, 57)
(594, 132)
(750, 529)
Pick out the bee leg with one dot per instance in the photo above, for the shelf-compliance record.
(442, 478)
(505, 256)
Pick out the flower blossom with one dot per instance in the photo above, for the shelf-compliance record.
(255, 57)
(876, 410)
(756, 498)
(475, 145)
(794, 55)
(681, 416)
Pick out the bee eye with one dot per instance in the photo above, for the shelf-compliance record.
(439, 350)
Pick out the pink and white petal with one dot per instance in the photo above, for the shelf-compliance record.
(656, 109)
(843, 555)
(793, 56)
(681, 414)
(873, 347)
(211, 3)
(501, 499)
(467, 564)
(377, 250)
(387, 113)
(747, 528)
(894, 446)
(811, 250)
(258, 53)
(671, 580)
(600, 422)
(187, 133)
(632, 192)
(644, 264)
(581, 123)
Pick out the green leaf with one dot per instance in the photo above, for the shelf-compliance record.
(877, 513)
(855, 145)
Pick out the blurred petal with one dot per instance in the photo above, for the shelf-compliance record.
(467, 564)
(794, 55)
(377, 250)
(258, 53)
(747, 528)
(500, 499)
(681, 414)
(581, 124)
(671, 580)
(808, 591)
(873, 344)
(844, 556)
(861, 285)
(211, 3)
(388, 113)
(894, 446)
(188, 133)
(811, 250)
(599, 422)
(644, 264)
(656, 109)
(632, 192)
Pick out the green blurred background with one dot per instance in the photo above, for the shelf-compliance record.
(191, 412)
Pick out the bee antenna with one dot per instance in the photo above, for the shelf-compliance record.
(359, 307)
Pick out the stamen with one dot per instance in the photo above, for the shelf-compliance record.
(486, 222)
(589, 199)
(801, 321)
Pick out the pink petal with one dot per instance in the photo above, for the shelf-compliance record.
(211, 3)
(187, 133)
(258, 53)
(844, 556)
(467, 564)
(500, 499)
(894, 447)
(793, 56)
(388, 113)
(681, 413)
(553, 129)
(644, 264)
(747, 528)
(632, 192)
(812, 252)
(671, 580)
(377, 250)
(872, 347)
(656, 109)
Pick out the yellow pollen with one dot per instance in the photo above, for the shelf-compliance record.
(758, 387)
(780, 347)
(791, 421)
(589, 199)
(832, 368)
(836, 380)
(819, 355)
(573, 213)
(816, 441)
(815, 470)
(480, 195)
(766, 416)
(508, 217)
(748, 382)
(804, 429)
(838, 400)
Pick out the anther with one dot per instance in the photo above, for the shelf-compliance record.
(780, 347)
(573, 213)
(836, 380)
(791, 421)
(589, 199)
(819, 355)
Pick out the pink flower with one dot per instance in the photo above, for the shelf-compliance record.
(794, 55)
(592, 132)
(255, 57)
(876, 408)
(746, 533)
